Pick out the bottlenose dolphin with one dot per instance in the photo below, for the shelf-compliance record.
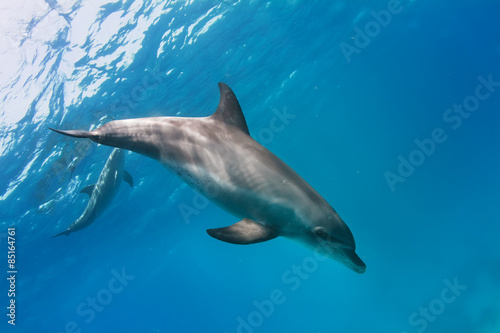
(102, 193)
(217, 157)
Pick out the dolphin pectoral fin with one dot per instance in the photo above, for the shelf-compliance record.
(244, 232)
(229, 110)
(128, 178)
(88, 189)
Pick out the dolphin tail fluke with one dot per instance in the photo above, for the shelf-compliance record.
(65, 233)
(75, 133)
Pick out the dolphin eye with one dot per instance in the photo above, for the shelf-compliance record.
(320, 233)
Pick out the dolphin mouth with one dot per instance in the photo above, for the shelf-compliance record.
(354, 262)
(343, 254)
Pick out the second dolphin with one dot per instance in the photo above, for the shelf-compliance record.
(102, 193)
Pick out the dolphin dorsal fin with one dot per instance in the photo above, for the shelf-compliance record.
(229, 110)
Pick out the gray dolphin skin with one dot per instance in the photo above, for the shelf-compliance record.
(218, 158)
(102, 193)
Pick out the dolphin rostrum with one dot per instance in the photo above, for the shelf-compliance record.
(102, 193)
(218, 158)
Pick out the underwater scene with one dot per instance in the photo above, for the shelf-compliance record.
(250, 166)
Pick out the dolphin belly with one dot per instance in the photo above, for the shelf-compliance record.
(242, 177)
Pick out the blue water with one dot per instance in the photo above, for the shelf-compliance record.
(375, 126)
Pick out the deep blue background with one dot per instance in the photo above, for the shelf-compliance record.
(353, 119)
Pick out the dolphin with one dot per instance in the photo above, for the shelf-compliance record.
(218, 158)
(102, 193)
